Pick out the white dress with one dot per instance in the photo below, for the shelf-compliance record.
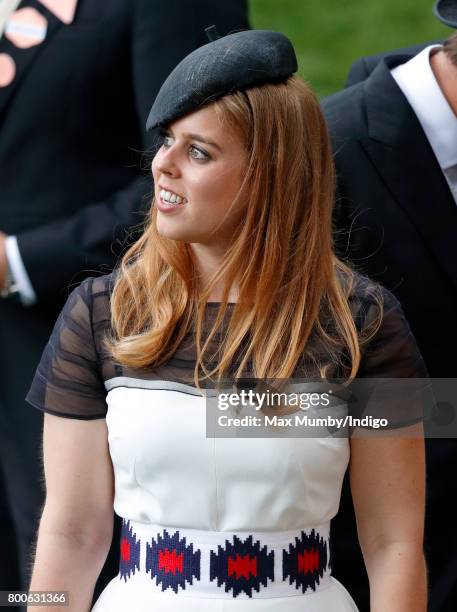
(209, 523)
(169, 476)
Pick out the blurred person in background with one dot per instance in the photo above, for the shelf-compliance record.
(77, 79)
(394, 133)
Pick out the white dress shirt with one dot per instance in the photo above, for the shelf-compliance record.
(6, 8)
(420, 87)
(18, 272)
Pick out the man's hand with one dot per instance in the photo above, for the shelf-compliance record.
(3, 260)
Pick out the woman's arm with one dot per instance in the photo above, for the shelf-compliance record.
(387, 476)
(77, 522)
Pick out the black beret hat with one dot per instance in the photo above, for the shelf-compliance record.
(222, 66)
(446, 11)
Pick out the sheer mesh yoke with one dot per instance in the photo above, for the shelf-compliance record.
(70, 379)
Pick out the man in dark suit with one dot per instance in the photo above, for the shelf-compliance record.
(77, 80)
(394, 135)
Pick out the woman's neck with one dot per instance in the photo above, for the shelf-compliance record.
(207, 261)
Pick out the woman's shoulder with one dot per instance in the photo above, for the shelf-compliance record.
(96, 286)
(361, 288)
(390, 348)
(370, 303)
(87, 311)
(95, 294)
(69, 378)
(364, 294)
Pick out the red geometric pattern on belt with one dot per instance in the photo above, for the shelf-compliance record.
(171, 561)
(130, 551)
(243, 564)
(306, 561)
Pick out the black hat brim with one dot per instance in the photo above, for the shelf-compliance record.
(235, 62)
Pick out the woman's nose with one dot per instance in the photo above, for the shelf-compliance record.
(165, 162)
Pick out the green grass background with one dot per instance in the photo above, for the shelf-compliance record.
(328, 35)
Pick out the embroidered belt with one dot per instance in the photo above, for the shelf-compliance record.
(221, 564)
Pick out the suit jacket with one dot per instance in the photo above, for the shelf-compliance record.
(395, 199)
(72, 126)
(364, 66)
(396, 220)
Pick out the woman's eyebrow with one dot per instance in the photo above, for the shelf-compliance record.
(199, 138)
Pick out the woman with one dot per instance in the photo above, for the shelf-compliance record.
(234, 275)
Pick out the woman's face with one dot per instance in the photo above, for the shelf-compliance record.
(203, 164)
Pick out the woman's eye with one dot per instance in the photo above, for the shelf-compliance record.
(166, 140)
(198, 154)
(194, 152)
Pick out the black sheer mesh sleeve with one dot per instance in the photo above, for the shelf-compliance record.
(392, 352)
(68, 379)
(392, 382)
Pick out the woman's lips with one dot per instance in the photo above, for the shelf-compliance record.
(168, 207)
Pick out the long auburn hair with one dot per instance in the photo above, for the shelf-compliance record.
(282, 259)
